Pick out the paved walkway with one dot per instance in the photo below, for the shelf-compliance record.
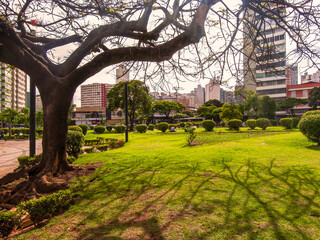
(10, 150)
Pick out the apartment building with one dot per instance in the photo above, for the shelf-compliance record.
(13, 88)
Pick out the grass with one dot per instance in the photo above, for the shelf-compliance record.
(246, 185)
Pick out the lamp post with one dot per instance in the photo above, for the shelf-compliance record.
(126, 109)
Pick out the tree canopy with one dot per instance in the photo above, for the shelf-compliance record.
(138, 99)
(289, 103)
(167, 107)
(314, 98)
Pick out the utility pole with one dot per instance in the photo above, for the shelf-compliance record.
(126, 109)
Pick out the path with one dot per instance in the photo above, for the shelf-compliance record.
(10, 150)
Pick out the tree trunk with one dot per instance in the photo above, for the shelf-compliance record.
(56, 101)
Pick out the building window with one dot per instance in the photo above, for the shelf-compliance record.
(305, 93)
(293, 94)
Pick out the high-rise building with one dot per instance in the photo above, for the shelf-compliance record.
(122, 74)
(94, 95)
(199, 93)
(212, 90)
(13, 88)
(265, 68)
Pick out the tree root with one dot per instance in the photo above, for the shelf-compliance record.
(14, 176)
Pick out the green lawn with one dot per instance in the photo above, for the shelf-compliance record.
(247, 185)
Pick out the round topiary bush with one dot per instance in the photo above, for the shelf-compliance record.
(295, 122)
(234, 124)
(75, 128)
(120, 128)
(262, 123)
(286, 122)
(309, 126)
(99, 129)
(84, 128)
(109, 128)
(274, 122)
(151, 127)
(251, 123)
(141, 128)
(75, 140)
(208, 125)
(163, 126)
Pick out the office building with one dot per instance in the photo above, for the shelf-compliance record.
(13, 88)
(94, 95)
(212, 90)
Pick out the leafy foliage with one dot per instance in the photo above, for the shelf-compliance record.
(286, 122)
(99, 129)
(75, 128)
(141, 128)
(213, 102)
(109, 128)
(208, 125)
(84, 128)
(120, 128)
(262, 123)
(289, 103)
(234, 124)
(230, 111)
(309, 126)
(75, 141)
(166, 107)
(8, 222)
(151, 127)
(295, 122)
(163, 126)
(251, 123)
(267, 108)
(314, 97)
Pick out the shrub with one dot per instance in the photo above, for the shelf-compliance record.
(39, 130)
(171, 125)
(75, 141)
(313, 112)
(47, 206)
(286, 122)
(89, 150)
(103, 147)
(109, 128)
(234, 124)
(84, 128)
(208, 125)
(99, 129)
(295, 122)
(274, 122)
(141, 128)
(71, 159)
(198, 124)
(262, 123)
(8, 221)
(309, 126)
(25, 130)
(181, 125)
(156, 126)
(188, 124)
(163, 126)
(192, 136)
(91, 127)
(15, 131)
(75, 128)
(251, 123)
(6, 130)
(151, 127)
(120, 128)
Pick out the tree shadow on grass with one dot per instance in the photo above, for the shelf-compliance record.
(135, 201)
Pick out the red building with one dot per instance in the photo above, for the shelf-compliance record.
(301, 91)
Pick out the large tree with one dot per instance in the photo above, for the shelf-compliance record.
(139, 101)
(167, 107)
(103, 33)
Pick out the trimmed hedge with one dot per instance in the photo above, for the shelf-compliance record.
(120, 128)
(6, 130)
(75, 141)
(39, 130)
(109, 128)
(151, 127)
(103, 148)
(16, 131)
(274, 122)
(234, 124)
(163, 126)
(141, 128)
(208, 125)
(181, 124)
(84, 128)
(251, 123)
(47, 206)
(286, 122)
(295, 122)
(8, 222)
(262, 123)
(29, 161)
(75, 128)
(309, 126)
(25, 130)
(99, 129)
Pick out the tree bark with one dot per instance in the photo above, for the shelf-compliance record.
(56, 100)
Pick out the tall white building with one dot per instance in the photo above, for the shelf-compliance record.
(13, 88)
(265, 68)
(212, 90)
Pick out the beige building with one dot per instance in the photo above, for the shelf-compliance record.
(13, 88)
(94, 95)
(212, 90)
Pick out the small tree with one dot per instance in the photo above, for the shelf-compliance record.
(213, 102)
(167, 107)
(314, 97)
(230, 111)
(267, 107)
(290, 103)
(9, 115)
(138, 99)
